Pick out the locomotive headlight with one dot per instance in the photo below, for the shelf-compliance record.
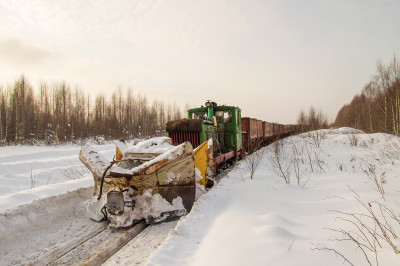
(115, 202)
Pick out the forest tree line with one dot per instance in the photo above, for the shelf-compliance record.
(377, 107)
(56, 112)
(313, 119)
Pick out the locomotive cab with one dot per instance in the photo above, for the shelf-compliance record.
(222, 124)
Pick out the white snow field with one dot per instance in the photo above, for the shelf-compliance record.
(344, 178)
(265, 221)
(32, 172)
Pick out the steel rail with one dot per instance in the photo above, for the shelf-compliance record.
(97, 257)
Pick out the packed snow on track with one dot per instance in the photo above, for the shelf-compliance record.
(308, 196)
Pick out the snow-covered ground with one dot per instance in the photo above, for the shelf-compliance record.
(265, 221)
(32, 172)
(244, 221)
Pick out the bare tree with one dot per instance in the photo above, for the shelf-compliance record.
(253, 160)
(368, 92)
(169, 112)
(302, 120)
(376, 181)
(129, 116)
(120, 105)
(317, 137)
(22, 114)
(162, 117)
(177, 112)
(78, 115)
(315, 119)
(4, 114)
(369, 230)
(99, 116)
(279, 159)
(310, 159)
(298, 162)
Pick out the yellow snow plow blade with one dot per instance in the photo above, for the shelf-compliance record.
(154, 185)
(200, 161)
(204, 162)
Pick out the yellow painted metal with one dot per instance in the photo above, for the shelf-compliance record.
(120, 148)
(200, 161)
(118, 154)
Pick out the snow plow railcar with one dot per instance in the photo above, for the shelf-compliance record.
(156, 180)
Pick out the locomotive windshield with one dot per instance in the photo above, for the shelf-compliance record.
(199, 115)
(224, 116)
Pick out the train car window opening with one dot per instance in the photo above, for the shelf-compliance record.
(224, 116)
(199, 115)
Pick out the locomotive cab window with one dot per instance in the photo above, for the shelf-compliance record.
(199, 115)
(224, 116)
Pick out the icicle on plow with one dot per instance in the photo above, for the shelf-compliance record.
(152, 180)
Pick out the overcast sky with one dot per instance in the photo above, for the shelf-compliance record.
(271, 58)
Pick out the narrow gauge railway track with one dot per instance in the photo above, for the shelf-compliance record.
(93, 248)
(97, 246)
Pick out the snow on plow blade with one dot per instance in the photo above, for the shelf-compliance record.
(154, 181)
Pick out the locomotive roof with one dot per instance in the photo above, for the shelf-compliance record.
(217, 108)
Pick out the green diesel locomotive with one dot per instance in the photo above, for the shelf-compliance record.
(222, 124)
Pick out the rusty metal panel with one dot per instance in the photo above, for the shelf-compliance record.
(259, 128)
(246, 130)
(268, 129)
(275, 129)
(182, 136)
(278, 129)
(253, 128)
(286, 128)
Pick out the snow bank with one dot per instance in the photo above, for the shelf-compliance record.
(30, 231)
(41, 211)
(32, 172)
(26, 196)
